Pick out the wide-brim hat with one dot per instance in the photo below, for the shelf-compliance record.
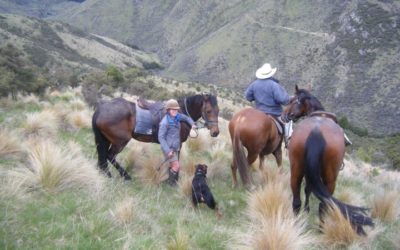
(172, 104)
(266, 71)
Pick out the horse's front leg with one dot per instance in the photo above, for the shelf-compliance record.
(112, 155)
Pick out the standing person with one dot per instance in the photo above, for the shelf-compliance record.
(269, 96)
(169, 137)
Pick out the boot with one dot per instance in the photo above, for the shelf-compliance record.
(173, 177)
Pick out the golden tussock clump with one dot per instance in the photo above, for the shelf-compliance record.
(124, 211)
(43, 123)
(275, 233)
(185, 185)
(268, 201)
(54, 169)
(79, 119)
(9, 143)
(149, 173)
(179, 241)
(385, 206)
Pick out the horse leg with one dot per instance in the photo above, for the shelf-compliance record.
(296, 178)
(102, 146)
(112, 155)
(278, 156)
(234, 178)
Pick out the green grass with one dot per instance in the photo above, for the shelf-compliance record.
(77, 219)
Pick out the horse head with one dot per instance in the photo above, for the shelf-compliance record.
(301, 104)
(209, 113)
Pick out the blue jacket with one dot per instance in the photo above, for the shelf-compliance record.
(268, 96)
(169, 132)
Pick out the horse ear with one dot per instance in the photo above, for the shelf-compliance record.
(296, 89)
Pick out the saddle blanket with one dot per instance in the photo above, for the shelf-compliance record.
(144, 121)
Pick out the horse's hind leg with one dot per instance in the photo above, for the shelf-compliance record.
(112, 155)
(102, 146)
(234, 178)
(296, 177)
(278, 156)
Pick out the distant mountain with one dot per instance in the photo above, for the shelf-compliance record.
(346, 50)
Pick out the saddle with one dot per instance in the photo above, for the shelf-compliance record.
(148, 117)
(324, 114)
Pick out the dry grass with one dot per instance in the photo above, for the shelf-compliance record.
(201, 142)
(79, 119)
(385, 206)
(124, 211)
(185, 185)
(149, 173)
(275, 233)
(179, 241)
(337, 230)
(9, 143)
(55, 169)
(268, 201)
(43, 123)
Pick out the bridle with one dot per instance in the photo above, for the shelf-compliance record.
(207, 122)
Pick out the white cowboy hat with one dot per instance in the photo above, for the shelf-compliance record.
(265, 71)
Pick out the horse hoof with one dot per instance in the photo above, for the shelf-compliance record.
(127, 178)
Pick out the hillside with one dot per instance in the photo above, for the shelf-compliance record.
(346, 50)
(54, 45)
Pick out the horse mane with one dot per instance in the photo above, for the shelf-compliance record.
(315, 104)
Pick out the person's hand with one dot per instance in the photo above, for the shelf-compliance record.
(170, 154)
(194, 126)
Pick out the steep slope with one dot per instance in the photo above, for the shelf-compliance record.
(54, 43)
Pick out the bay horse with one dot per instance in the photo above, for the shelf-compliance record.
(114, 122)
(258, 133)
(316, 152)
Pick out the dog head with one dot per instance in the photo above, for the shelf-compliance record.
(201, 169)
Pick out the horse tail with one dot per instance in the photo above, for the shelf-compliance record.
(315, 147)
(239, 158)
(102, 143)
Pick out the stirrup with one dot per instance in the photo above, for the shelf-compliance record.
(347, 141)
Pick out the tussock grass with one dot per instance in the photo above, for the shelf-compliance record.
(385, 206)
(185, 185)
(268, 201)
(79, 119)
(9, 143)
(179, 241)
(149, 174)
(278, 232)
(201, 142)
(124, 211)
(55, 169)
(337, 230)
(43, 123)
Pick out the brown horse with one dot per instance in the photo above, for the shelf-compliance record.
(114, 122)
(257, 132)
(316, 151)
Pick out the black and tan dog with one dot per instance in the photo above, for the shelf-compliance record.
(200, 191)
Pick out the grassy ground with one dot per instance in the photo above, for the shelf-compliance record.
(53, 197)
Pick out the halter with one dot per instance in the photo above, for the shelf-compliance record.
(206, 121)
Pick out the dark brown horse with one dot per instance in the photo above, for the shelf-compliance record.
(114, 122)
(258, 133)
(316, 152)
